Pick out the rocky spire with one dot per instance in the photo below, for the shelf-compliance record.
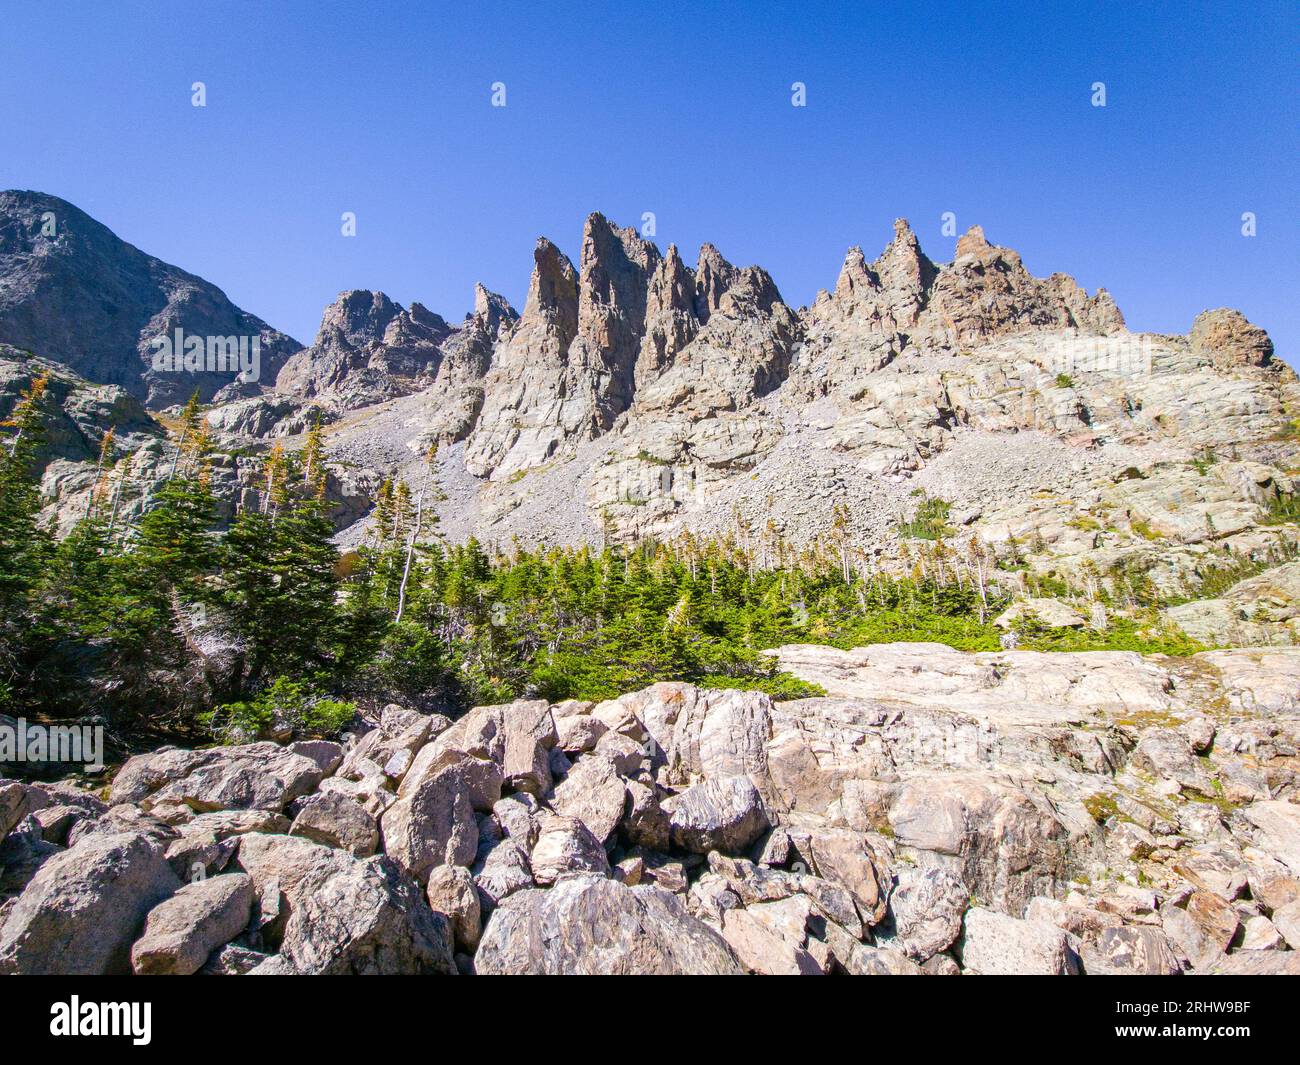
(713, 276)
(368, 348)
(986, 292)
(467, 353)
(357, 318)
(889, 294)
(670, 320)
(491, 310)
(617, 265)
(856, 279)
(552, 301)
(973, 242)
(905, 275)
(528, 402)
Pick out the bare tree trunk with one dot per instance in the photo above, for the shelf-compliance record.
(410, 552)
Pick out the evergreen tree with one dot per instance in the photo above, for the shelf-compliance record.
(22, 545)
(279, 575)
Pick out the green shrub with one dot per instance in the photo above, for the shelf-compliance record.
(286, 705)
(930, 522)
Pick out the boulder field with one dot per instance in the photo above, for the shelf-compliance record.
(935, 813)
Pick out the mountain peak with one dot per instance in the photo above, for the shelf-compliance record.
(972, 242)
(72, 290)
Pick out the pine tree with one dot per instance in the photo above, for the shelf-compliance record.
(279, 578)
(186, 426)
(24, 546)
(313, 460)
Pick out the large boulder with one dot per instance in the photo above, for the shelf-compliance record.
(593, 792)
(925, 911)
(13, 805)
(696, 733)
(1004, 844)
(762, 949)
(452, 893)
(332, 913)
(1049, 612)
(1130, 951)
(254, 776)
(504, 870)
(434, 824)
(719, 814)
(83, 909)
(337, 821)
(181, 932)
(565, 845)
(1203, 928)
(369, 918)
(591, 925)
(517, 737)
(997, 945)
(844, 857)
(285, 869)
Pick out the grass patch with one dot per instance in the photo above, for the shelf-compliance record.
(1144, 530)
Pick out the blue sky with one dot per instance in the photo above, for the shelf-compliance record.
(679, 109)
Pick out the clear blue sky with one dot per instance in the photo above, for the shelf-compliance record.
(681, 109)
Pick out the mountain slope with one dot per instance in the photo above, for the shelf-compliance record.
(72, 291)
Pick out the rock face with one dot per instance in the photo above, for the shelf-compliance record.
(638, 396)
(72, 291)
(936, 812)
(369, 349)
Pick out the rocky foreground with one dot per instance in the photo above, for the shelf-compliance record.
(936, 813)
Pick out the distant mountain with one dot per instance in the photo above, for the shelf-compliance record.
(72, 291)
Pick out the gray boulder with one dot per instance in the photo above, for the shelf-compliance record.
(1130, 951)
(997, 945)
(925, 911)
(595, 926)
(337, 821)
(84, 907)
(181, 932)
(724, 814)
(368, 918)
